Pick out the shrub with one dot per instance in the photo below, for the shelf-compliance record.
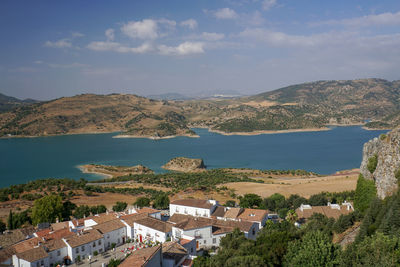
(372, 163)
(365, 193)
(95, 253)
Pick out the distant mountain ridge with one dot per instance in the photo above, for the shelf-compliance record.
(304, 106)
(9, 102)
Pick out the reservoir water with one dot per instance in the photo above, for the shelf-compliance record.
(25, 159)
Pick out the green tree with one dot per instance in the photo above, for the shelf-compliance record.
(275, 202)
(119, 206)
(68, 208)
(314, 249)
(142, 202)
(230, 203)
(250, 201)
(81, 211)
(372, 163)
(47, 209)
(161, 201)
(365, 193)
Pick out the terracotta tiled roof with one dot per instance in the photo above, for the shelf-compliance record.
(253, 215)
(33, 254)
(11, 237)
(132, 218)
(59, 226)
(48, 234)
(103, 217)
(233, 213)
(55, 244)
(187, 222)
(176, 218)
(109, 226)
(156, 224)
(140, 257)
(219, 211)
(325, 210)
(6, 253)
(147, 210)
(198, 203)
(184, 241)
(83, 238)
(174, 251)
(26, 244)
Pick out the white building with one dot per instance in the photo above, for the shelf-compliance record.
(36, 257)
(114, 232)
(193, 207)
(84, 244)
(152, 229)
(129, 222)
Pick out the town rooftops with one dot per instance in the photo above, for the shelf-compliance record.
(33, 255)
(11, 237)
(197, 203)
(47, 234)
(156, 224)
(146, 210)
(109, 226)
(193, 223)
(103, 217)
(84, 237)
(140, 257)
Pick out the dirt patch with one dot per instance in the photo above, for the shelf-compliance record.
(302, 186)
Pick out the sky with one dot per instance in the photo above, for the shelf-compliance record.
(50, 49)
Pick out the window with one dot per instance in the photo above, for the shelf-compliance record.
(58, 253)
(42, 262)
(191, 250)
(205, 241)
(197, 233)
(77, 250)
(99, 242)
(37, 264)
(254, 231)
(118, 241)
(108, 236)
(214, 240)
(83, 248)
(94, 244)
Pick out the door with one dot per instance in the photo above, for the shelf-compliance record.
(140, 238)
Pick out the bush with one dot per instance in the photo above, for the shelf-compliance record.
(372, 163)
(95, 253)
(120, 206)
(343, 223)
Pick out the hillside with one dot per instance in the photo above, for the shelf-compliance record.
(304, 106)
(8, 102)
(95, 114)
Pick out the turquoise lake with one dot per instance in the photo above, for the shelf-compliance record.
(25, 159)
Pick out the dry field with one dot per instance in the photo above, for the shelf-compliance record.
(302, 186)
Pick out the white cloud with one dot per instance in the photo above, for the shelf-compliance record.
(77, 34)
(225, 13)
(186, 48)
(117, 47)
(145, 29)
(190, 23)
(38, 62)
(67, 66)
(110, 34)
(387, 18)
(268, 4)
(212, 36)
(63, 43)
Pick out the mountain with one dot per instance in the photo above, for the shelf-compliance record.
(9, 102)
(304, 106)
(169, 96)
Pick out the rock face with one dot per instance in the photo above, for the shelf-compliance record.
(182, 164)
(387, 149)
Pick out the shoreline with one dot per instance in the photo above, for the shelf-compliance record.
(375, 129)
(85, 169)
(270, 131)
(153, 137)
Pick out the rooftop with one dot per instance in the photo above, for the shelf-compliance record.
(156, 224)
(140, 257)
(198, 203)
(174, 251)
(253, 215)
(132, 218)
(83, 238)
(34, 254)
(233, 213)
(219, 211)
(109, 226)
(330, 212)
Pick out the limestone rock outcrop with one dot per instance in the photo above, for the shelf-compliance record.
(182, 164)
(387, 150)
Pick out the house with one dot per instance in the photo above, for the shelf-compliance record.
(151, 212)
(99, 218)
(152, 229)
(83, 244)
(173, 254)
(129, 221)
(239, 214)
(304, 212)
(193, 207)
(114, 232)
(34, 257)
(147, 257)
(208, 232)
(189, 243)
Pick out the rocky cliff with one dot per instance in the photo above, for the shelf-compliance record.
(182, 164)
(381, 162)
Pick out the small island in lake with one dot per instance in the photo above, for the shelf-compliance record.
(114, 171)
(182, 164)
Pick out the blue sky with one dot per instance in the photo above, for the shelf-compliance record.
(51, 49)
